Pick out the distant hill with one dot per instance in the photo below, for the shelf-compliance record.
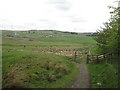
(54, 32)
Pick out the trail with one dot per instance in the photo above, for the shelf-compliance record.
(83, 79)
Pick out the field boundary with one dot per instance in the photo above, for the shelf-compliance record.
(99, 58)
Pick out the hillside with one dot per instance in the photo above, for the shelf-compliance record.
(38, 59)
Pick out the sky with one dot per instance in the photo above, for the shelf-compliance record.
(63, 15)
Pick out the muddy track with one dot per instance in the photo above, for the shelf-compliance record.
(83, 79)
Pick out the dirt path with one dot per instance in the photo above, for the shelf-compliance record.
(83, 79)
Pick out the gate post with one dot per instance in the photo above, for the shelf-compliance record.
(75, 55)
(87, 59)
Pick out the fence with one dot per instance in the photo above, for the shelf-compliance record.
(105, 70)
(99, 58)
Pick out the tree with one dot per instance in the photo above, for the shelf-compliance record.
(108, 37)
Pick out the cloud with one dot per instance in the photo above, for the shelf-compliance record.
(63, 15)
(63, 5)
(57, 1)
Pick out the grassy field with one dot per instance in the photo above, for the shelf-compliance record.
(37, 70)
(42, 59)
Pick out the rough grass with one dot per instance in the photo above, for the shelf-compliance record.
(24, 64)
(37, 70)
(103, 75)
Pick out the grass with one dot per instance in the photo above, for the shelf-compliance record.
(25, 64)
(103, 75)
(80, 60)
(37, 70)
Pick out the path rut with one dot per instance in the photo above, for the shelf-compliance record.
(83, 79)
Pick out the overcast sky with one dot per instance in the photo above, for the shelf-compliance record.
(64, 15)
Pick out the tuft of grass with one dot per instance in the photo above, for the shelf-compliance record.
(37, 70)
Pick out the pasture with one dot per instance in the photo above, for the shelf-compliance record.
(42, 59)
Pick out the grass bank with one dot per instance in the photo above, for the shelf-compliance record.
(37, 70)
(103, 75)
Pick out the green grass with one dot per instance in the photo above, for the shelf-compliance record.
(80, 60)
(103, 73)
(29, 67)
(65, 39)
(39, 70)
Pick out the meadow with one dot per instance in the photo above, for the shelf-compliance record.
(42, 59)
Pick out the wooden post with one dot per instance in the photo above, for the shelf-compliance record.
(75, 56)
(104, 56)
(87, 59)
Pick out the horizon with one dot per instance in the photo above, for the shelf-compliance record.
(47, 30)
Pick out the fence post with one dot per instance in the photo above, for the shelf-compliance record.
(104, 56)
(87, 59)
(75, 56)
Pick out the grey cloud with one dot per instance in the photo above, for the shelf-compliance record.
(57, 2)
(63, 5)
